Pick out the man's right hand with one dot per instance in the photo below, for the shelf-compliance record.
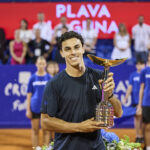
(90, 125)
(29, 114)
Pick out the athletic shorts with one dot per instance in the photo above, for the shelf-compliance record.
(145, 114)
(134, 105)
(36, 115)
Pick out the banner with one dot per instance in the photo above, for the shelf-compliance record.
(105, 15)
(14, 79)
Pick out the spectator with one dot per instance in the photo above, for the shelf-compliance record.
(55, 40)
(45, 28)
(121, 44)
(18, 50)
(58, 27)
(134, 88)
(90, 38)
(3, 57)
(144, 101)
(141, 35)
(25, 33)
(52, 68)
(38, 47)
(35, 90)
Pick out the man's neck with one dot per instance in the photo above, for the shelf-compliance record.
(75, 71)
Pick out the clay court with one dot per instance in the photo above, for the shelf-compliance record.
(20, 139)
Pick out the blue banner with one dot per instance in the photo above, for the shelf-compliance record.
(13, 86)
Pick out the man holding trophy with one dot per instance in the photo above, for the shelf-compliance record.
(72, 99)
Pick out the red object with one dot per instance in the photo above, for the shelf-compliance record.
(106, 16)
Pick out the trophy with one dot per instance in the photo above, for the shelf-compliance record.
(104, 110)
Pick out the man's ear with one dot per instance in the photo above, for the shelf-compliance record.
(61, 53)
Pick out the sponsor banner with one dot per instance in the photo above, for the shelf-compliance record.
(14, 79)
(105, 15)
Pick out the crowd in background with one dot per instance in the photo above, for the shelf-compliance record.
(41, 40)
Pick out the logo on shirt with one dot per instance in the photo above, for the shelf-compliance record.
(136, 79)
(94, 87)
(147, 76)
(39, 83)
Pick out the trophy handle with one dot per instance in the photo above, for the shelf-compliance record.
(106, 71)
(104, 94)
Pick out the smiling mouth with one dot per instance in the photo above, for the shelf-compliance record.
(74, 58)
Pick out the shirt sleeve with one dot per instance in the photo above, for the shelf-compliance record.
(30, 85)
(131, 79)
(50, 100)
(142, 76)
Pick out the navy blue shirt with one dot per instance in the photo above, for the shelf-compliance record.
(134, 81)
(73, 99)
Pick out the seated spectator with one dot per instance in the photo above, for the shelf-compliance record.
(38, 47)
(90, 38)
(25, 33)
(45, 28)
(122, 44)
(3, 57)
(18, 50)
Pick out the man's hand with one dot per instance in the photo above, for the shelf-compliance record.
(109, 84)
(90, 125)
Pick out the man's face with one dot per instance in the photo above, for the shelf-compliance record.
(41, 17)
(63, 20)
(72, 51)
(141, 20)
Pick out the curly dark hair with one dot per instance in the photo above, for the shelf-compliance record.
(67, 36)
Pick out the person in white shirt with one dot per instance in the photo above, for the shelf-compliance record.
(90, 37)
(58, 27)
(141, 35)
(25, 33)
(45, 28)
(121, 44)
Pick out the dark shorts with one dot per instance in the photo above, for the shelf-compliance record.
(145, 114)
(36, 116)
(134, 105)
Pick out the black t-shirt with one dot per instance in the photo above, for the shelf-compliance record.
(74, 99)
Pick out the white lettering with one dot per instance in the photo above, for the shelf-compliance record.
(76, 25)
(102, 27)
(60, 9)
(17, 105)
(104, 12)
(113, 27)
(93, 11)
(7, 88)
(147, 75)
(69, 13)
(120, 87)
(23, 89)
(83, 12)
(15, 89)
(39, 83)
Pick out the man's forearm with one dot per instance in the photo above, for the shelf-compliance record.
(117, 106)
(58, 125)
